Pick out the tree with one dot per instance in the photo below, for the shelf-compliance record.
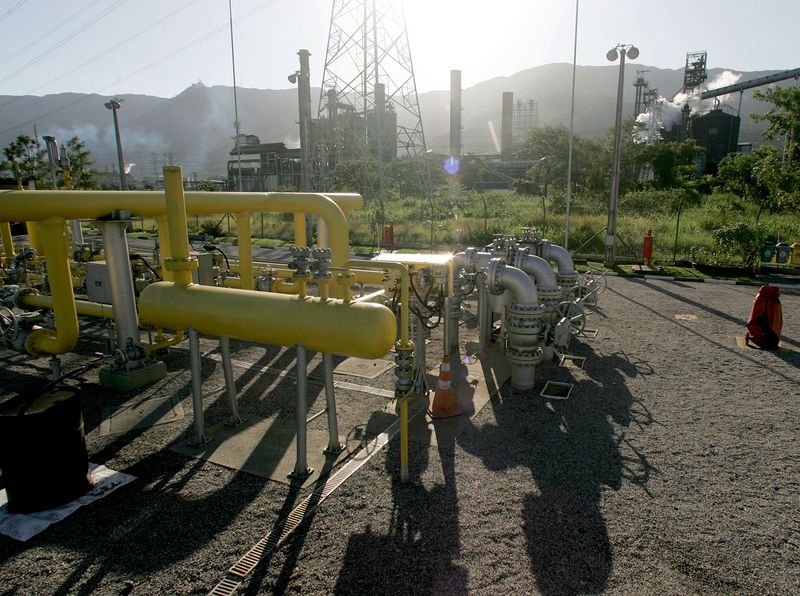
(80, 165)
(760, 177)
(783, 118)
(28, 155)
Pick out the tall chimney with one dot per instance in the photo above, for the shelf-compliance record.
(455, 113)
(507, 126)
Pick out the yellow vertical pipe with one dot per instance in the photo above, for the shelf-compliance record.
(65, 335)
(179, 262)
(163, 246)
(34, 237)
(300, 229)
(8, 241)
(245, 250)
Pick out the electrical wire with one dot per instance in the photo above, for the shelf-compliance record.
(141, 70)
(61, 42)
(50, 31)
(11, 10)
(116, 46)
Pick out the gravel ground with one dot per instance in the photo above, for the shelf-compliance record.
(673, 468)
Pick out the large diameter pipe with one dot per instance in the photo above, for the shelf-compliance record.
(501, 276)
(115, 245)
(361, 329)
(16, 206)
(560, 257)
(65, 336)
(539, 268)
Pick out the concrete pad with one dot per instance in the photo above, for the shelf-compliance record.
(118, 420)
(361, 367)
(264, 448)
(474, 385)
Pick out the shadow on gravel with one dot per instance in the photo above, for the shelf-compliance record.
(574, 449)
(788, 356)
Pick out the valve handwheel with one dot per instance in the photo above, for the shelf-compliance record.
(574, 314)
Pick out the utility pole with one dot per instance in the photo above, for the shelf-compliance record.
(115, 104)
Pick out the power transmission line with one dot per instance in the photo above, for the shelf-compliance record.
(139, 71)
(60, 43)
(107, 51)
(50, 31)
(11, 10)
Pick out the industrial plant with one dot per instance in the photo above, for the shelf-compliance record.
(189, 414)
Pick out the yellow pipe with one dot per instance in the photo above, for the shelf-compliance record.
(180, 335)
(347, 201)
(404, 343)
(82, 307)
(65, 336)
(163, 246)
(245, 250)
(95, 204)
(180, 263)
(8, 240)
(34, 237)
(358, 329)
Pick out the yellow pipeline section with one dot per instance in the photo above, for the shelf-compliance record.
(355, 329)
(65, 336)
(16, 206)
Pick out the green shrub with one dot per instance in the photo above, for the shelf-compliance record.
(211, 228)
(740, 242)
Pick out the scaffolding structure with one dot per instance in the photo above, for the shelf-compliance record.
(525, 118)
(694, 74)
(368, 103)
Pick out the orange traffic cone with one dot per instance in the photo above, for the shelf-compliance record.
(444, 399)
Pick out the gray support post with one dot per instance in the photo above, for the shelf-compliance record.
(197, 388)
(334, 446)
(115, 245)
(230, 384)
(301, 469)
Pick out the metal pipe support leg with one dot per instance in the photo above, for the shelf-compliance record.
(301, 470)
(334, 446)
(197, 388)
(230, 384)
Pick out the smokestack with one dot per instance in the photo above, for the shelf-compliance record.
(304, 99)
(507, 126)
(455, 113)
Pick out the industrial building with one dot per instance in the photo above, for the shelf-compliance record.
(263, 167)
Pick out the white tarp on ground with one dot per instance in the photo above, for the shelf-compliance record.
(21, 526)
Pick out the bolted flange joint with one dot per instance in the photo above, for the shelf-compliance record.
(494, 276)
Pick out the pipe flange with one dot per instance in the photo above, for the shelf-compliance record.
(524, 357)
(471, 260)
(567, 279)
(494, 275)
(550, 296)
(520, 256)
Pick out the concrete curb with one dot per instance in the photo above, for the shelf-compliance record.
(725, 282)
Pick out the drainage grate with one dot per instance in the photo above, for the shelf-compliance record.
(242, 568)
(556, 390)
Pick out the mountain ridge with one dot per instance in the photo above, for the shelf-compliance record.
(195, 127)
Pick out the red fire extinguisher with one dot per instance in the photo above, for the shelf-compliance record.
(647, 248)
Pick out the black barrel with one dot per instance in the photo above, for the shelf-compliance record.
(43, 450)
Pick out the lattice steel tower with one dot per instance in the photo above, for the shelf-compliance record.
(368, 102)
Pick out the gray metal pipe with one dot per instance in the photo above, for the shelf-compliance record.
(230, 384)
(560, 257)
(197, 388)
(539, 268)
(301, 469)
(115, 245)
(334, 446)
(520, 284)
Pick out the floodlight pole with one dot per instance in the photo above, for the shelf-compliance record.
(114, 104)
(611, 229)
(571, 130)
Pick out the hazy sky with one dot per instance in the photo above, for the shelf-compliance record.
(159, 47)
